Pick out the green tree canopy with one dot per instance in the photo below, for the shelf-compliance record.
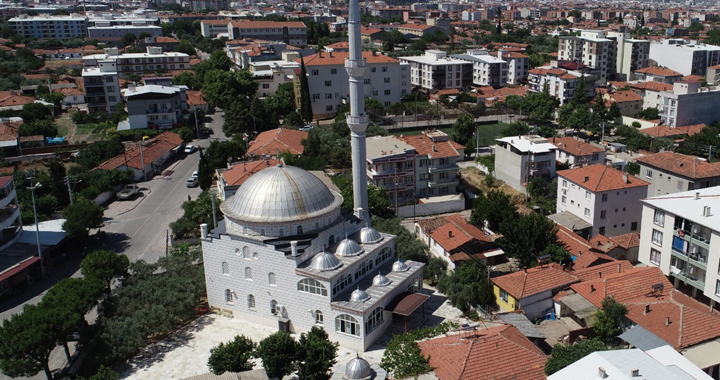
(82, 216)
(463, 129)
(468, 286)
(404, 358)
(26, 341)
(517, 128)
(316, 355)
(196, 212)
(235, 356)
(186, 47)
(540, 105)
(128, 39)
(237, 119)
(562, 355)
(278, 353)
(609, 319)
(407, 246)
(527, 236)
(222, 88)
(435, 269)
(305, 105)
(104, 265)
(495, 208)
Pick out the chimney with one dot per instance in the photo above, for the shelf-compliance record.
(330, 54)
(667, 321)
(293, 248)
(450, 234)
(204, 230)
(599, 274)
(635, 373)
(374, 53)
(706, 211)
(434, 149)
(601, 373)
(586, 179)
(619, 267)
(625, 178)
(647, 309)
(592, 288)
(697, 195)
(320, 54)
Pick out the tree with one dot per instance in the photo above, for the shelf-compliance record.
(282, 102)
(517, 128)
(186, 134)
(577, 117)
(435, 270)
(195, 212)
(613, 112)
(463, 128)
(222, 88)
(103, 373)
(216, 156)
(696, 27)
(407, 246)
(104, 265)
(541, 105)
(525, 237)
(187, 79)
(404, 358)
(305, 105)
(26, 341)
(468, 286)
(186, 47)
(32, 112)
(493, 208)
(562, 356)
(632, 168)
(82, 216)
(262, 119)
(278, 354)
(235, 356)
(609, 319)
(649, 114)
(580, 95)
(237, 118)
(128, 39)
(316, 355)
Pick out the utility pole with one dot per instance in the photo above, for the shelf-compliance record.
(212, 199)
(71, 180)
(142, 160)
(396, 190)
(31, 175)
(197, 130)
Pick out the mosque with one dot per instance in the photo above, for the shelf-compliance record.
(286, 256)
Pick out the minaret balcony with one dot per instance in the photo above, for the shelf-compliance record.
(355, 67)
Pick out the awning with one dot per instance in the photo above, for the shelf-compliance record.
(581, 307)
(704, 355)
(570, 221)
(405, 303)
(643, 339)
(17, 268)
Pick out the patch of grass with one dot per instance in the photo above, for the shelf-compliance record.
(84, 129)
(62, 130)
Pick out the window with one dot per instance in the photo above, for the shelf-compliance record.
(328, 83)
(329, 108)
(648, 173)
(316, 96)
(342, 283)
(364, 268)
(504, 295)
(387, 92)
(272, 280)
(373, 69)
(228, 297)
(314, 72)
(266, 85)
(251, 302)
(654, 256)
(587, 212)
(225, 268)
(603, 213)
(564, 183)
(331, 241)
(273, 307)
(328, 95)
(386, 80)
(319, 320)
(299, 230)
(112, 98)
(717, 288)
(633, 226)
(374, 320)
(604, 198)
(347, 325)
(312, 286)
(595, 156)
(248, 273)
(384, 254)
(564, 199)
(333, 71)
(587, 194)
(384, 69)
(657, 237)
(111, 89)
(601, 230)
(659, 218)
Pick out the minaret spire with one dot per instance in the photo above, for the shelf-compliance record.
(357, 120)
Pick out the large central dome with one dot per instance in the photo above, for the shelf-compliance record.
(281, 194)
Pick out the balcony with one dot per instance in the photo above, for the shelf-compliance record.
(682, 275)
(443, 168)
(443, 182)
(8, 216)
(697, 259)
(699, 237)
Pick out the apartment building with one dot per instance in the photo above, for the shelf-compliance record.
(680, 235)
(113, 19)
(291, 32)
(603, 197)
(592, 49)
(436, 169)
(436, 71)
(651, 93)
(10, 219)
(518, 66)
(200, 5)
(154, 106)
(630, 54)
(658, 74)
(50, 27)
(114, 33)
(271, 74)
(577, 153)
(519, 158)
(391, 167)
(487, 70)
(386, 80)
(670, 172)
(213, 28)
(686, 57)
(417, 30)
(153, 60)
(689, 103)
(102, 87)
(629, 102)
(560, 83)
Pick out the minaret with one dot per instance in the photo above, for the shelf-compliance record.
(357, 120)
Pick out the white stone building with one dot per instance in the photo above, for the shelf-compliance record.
(561, 83)
(686, 57)
(519, 158)
(436, 71)
(115, 33)
(518, 66)
(592, 49)
(102, 87)
(138, 63)
(689, 103)
(488, 70)
(50, 27)
(154, 106)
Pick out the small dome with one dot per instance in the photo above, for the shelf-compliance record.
(381, 280)
(359, 295)
(325, 261)
(357, 369)
(348, 247)
(400, 266)
(369, 235)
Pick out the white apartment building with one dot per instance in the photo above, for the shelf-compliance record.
(577, 153)
(271, 74)
(686, 57)
(518, 65)
(102, 87)
(386, 80)
(602, 196)
(560, 83)
(436, 168)
(488, 70)
(154, 106)
(657, 74)
(213, 28)
(391, 167)
(651, 92)
(689, 103)
(681, 235)
(670, 172)
(519, 158)
(137, 63)
(436, 71)
(112, 19)
(50, 27)
(630, 54)
(592, 49)
(114, 33)
(291, 32)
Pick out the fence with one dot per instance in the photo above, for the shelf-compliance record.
(425, 209)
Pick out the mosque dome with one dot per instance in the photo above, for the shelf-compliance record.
(281, 194)
(399, 266)
(348, 247)
(369, 235)
(357, 369)
(325, 261)
(359, 295)
(381, 280)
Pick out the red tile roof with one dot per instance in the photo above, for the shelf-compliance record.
(241, 171)
(652, 86)
(9, 131)
(601, 270)
(152, 150)
(599, 178)
(627, 241)
(575, 147)
(424, 146)
(625, 96)
(500, 352)
(667, 131)
(247, 24)
(525, 283)
(338, 58)
(625, 286)
(680, 164)
(13, 99)
(195, 98)
(659, 71)
(279, 139)
(455, 231)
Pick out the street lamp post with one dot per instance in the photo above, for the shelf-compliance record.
(31, 176)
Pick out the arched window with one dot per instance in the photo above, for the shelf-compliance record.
(244, 230)
(271, 279)
(299, 230)
(365, 267)
(228, 296)
(384, 255)
(262, 232)
(344, 281)
(281, 232)
(225, 268)
(319, 319)
(273, 307)
(251, 301)
(248, 273)
(246, 253)
(312, 286)
(347, 325)
(331, 241)
(374, 320)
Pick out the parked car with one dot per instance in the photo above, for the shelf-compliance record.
(195, 174)
(306, 128)
(191, 182)
(190, 149)
(127, 192)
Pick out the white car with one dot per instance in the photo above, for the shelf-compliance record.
(195, 174)
(190, 149)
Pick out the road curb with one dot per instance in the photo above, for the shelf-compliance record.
(136, 204)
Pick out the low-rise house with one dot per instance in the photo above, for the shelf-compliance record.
(196, 101)
(520, 158)
(577, 153)
(650, 92)
(13, 101)
(417, 30)
(670, 172)
(658, 74)
(72, 96)
(231, 178)
(603, 197)
(629, 102)
(465, 355)
(531, 290)
(155, 153)
(673, 133)
(10, 135)
(270, 143)
(166, 43)
(154, 106)
(454, 240)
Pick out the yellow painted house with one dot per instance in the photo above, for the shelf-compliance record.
(531, 289)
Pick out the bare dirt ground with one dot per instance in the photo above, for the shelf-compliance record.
(476, 180)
